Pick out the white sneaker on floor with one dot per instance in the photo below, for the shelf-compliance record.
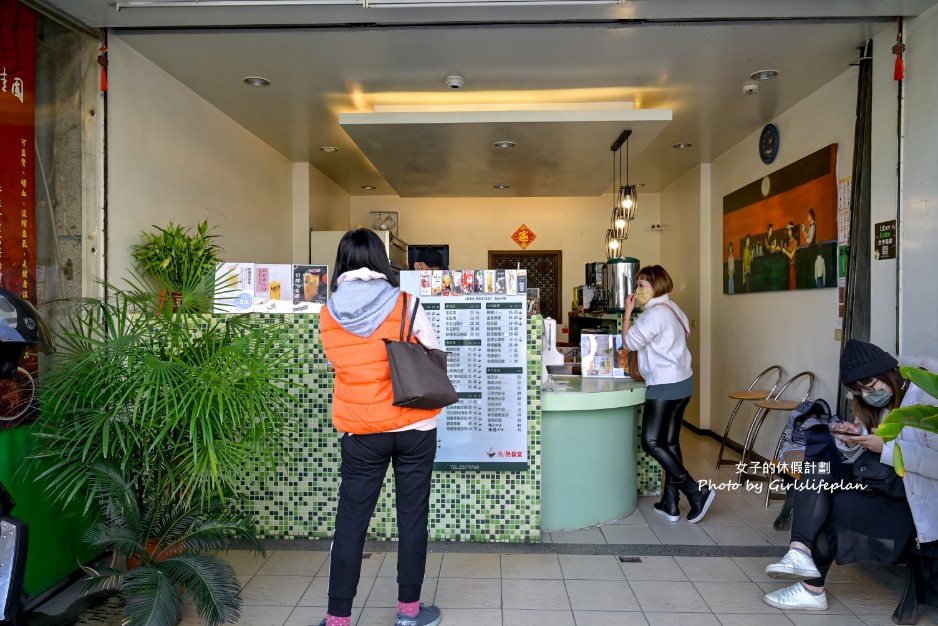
(796, 597)
(795, 565)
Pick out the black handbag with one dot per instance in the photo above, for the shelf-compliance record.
(878, 477)
(418, 373)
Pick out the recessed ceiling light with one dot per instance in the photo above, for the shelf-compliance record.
(256, 81)
(368, 187)
(764, 75)
(328, 149)
(682, 146)
(501, 186)
(504, 144)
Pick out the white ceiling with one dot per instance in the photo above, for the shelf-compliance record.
(687, 57)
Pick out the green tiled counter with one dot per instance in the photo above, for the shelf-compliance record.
(298, 498)
(589, 468)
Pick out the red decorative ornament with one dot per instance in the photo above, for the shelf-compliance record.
(898, 49)
(102, 61)
(524, 236)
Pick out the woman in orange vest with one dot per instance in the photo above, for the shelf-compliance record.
(365, 308)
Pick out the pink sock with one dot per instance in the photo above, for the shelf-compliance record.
(332, 620)
(410, 609)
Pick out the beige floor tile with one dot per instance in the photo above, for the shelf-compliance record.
(734, 597)
(710, 569)
(673, 597)
(549, 595)
(721, 516)
(384, 592)
(317, 592)
(263, 616)
(590, 567)
(754, 567)
(312, 615)
(823, 618)
(609, 618)
(469, 593)
(781, 538)
(736, 536)
(856, 574)
(275, 590)
(378, 616)
(862, 598)
(682, 533)
(751, 619)
(518, 617)
(541, 566)
(635, 517)
(681, 619)
(653, 568)
(471, 565)
(758, 516)
(371, 564)
(629, 534)
(471, 617)
(587, 535)
(244, 562)
(601, 595)
(883, 619)
(432, 570)
(293, 563)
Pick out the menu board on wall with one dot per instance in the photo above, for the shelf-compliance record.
(485, 336)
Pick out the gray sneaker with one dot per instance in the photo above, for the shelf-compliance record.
(795, 565)
(428, 616)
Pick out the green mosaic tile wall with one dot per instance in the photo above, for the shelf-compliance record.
(298, 498)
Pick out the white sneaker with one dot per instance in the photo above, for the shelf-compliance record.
(796, 597)
(795, 565)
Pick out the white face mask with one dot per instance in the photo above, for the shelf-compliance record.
(643, 295)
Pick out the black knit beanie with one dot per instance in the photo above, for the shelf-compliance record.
(861, 361)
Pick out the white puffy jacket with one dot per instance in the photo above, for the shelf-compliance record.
(920, 456)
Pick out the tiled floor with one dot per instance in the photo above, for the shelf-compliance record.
(596, 584)
(736, 518)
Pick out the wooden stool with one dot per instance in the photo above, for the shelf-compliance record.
(747, 395)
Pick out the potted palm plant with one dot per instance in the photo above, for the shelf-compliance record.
(182, 260)
(166, 542)
(179, 407)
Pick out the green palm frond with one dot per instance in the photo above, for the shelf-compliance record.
(210, 583)
(151, 597)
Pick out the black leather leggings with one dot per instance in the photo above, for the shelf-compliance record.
(661, 433)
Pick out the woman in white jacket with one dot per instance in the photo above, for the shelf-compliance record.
(847, 525)
(660, 336)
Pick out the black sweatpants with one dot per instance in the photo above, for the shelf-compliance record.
(365, 461)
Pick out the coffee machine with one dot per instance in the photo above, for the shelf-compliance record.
(591, 296)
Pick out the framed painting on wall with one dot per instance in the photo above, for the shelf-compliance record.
(780, 232)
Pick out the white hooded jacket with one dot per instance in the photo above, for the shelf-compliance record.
(920, 456)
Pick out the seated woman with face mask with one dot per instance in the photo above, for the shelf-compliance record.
(847, 524)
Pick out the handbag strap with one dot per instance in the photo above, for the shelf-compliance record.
(413, 316)
(678, 318)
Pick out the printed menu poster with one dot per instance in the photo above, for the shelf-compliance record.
(234, 284)
(310, 288)
(485, 334)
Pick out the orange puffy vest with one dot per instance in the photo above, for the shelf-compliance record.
(362, 395)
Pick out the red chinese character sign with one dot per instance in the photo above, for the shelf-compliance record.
(17, 188)
(524, 236)
(17, 148)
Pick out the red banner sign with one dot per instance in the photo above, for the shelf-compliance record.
(17, 148)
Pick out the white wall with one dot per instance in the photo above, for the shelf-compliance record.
(919, 228)
(794, 329)
(173, 156)
(473, 226)
(330, 206)
(680, 240)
